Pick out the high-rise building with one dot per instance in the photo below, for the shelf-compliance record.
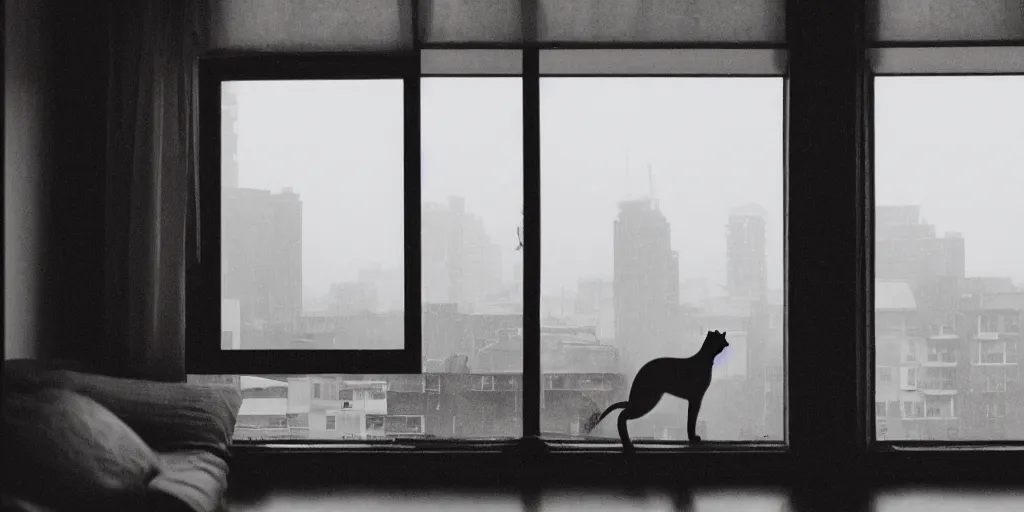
(261, 235)
(908, 248)
(645, 283)
(461, 264)
(747, 268)
(229, 139)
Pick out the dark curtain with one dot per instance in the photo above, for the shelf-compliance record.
(150, 183)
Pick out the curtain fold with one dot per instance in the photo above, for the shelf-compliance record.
(150, 184)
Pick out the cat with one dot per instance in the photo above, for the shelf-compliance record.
(686, 378)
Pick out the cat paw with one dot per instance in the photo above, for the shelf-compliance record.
(695, 439)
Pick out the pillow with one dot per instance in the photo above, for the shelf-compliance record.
(26, 375)
(169, 416)
(69, 452)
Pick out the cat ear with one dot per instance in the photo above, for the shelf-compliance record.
(723, 333)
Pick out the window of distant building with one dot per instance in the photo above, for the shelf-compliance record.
(1011, 323)
(885, 373)
(992, 352)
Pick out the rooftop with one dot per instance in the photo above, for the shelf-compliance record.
(894, 295)
(264, 407)
(1003, 301)
(261, 383)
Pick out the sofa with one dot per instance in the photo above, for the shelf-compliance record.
(75, 439)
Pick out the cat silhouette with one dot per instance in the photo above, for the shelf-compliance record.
(687, 378)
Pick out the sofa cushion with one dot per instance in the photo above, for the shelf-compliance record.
(197, 479)
(169, 416)
(70, 452)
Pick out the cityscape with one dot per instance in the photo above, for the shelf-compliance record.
(946, 343)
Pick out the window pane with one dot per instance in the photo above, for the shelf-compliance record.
(949, 259)
(312, 226)
(472, 292)
(662, 212)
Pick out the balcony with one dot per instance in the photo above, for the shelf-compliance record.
(939, 360)
(269, 433)
(937, 386)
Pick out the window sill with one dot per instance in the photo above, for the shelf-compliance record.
(947, 447)
(501, 446)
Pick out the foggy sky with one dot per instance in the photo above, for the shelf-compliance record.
(949, 145)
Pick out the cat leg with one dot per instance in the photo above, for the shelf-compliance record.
(691, 419)
(639, 405)
(627, 445)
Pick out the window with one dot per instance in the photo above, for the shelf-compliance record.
(995, 383)
(879, 409)
(908, 379)
(398, 425)
(316, 389)
(1011, 323)
(989, 323)
(432, 384)
(913, 409)
(992, 352)
(298, 168)
(824, 234)
(332, 423)
(308, 167)
(662, 212)
(885, 373)
(995, 410)
(945, 246)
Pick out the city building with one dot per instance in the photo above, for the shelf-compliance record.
(993, 397)
(229, 138)
(746, 257)
(461, 264)
(645, 283)
(899, 405)
(264, 410)
(908, 248)
(262, 263)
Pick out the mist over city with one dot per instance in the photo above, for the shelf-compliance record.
(662, 217)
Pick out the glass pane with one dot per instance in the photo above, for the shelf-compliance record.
(949, 289)
(659, 21)
(472, 293)
(310, 25)
(312, 226)
(662, 212)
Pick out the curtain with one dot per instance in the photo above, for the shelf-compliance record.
(150, 183)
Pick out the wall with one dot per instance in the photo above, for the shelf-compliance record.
(28, 117)
(55, 62)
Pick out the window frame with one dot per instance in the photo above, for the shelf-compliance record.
(933, 461)
(203, 277)
(828, 155)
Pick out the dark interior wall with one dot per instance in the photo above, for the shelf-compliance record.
(55, 139)
(74, 286)
(28, 107)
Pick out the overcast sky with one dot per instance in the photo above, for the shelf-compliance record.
(955, 146)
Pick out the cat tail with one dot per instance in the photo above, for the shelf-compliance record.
(597, 417)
